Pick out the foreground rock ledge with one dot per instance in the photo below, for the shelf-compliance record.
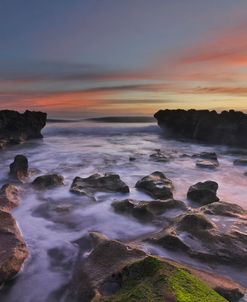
(16, 127)
(227, 127)
(117, 272)
(13, 250)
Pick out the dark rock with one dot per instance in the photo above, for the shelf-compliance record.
(147, 210)
(9, 197)
(108, 182)
(240, 162)
(203, 192)
(228, 127)
(48, 181)
(18, 127)
(207, 164)
(132, 158)
(224, 209)
(156, 185)
(160, 156)
(13, 250)
(207, 155)
(19, 168)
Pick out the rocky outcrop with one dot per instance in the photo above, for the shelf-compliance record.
(19, 168)
(48, 181)
(196, 235)
(108, 182)
(224, 209)
(114, 271)
(227, 127)
(157, 185)
(18, 127)
(9, 197)
(147, 210)
(13, 250)
(203, 192)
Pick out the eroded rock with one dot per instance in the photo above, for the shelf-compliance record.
(224, 209)
(48, 181)
(157, 185)
(203, 192)
(19, 168)
(13, 250)
(9, 197)
(108, 182)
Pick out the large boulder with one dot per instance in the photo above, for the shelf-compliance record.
(157, 185)
(9, 197)
(227, 127)
(13, 250)
(17, 127)
(114, 271)
(48, 181)
(19, 167)
(203, 192)
(108, 182)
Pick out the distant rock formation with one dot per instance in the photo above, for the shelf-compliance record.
(227, 127)
(16, 127)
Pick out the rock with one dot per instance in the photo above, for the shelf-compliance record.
(156, 185)
(227, 127)
(160, 156)
(224, 209)
(48, 181)
(108, 182)
(114, 271)
(208, 164)
(19, 168)
(13, 250)
(9, 197)
(17, 127)
(203, 192)
(198, 237)
(147, 210)
(240, 162)
(132, 158)
(207, 155)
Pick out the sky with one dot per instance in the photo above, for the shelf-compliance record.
(122, 57)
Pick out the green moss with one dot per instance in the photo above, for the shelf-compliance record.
(155, 280)
(188, 288)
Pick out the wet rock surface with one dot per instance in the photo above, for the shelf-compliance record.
(48, 181)
(240, 162)
(19, 168)
(203, 192)
(108, 182)
(114, 271)
(225, 209)
(13, 250)
(207, 164)
(147, 210)
(227, 127)
(157, 185)
(9, 197)
(18, 127)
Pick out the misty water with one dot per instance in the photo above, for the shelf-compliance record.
(54, 222)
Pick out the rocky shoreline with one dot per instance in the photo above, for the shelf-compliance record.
(227, 127)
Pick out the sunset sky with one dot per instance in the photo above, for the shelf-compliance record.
(122, 57)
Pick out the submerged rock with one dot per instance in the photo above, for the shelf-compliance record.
(227, 127)
(207, 155)
(157, 185)
(18, 127)
(240, 162)
(19, 168)
(9, 197)
(207, 164)
(224, 209)
(160, 156)
(13, 250)
(108, 182)
(48, 181)
(203, 192)
(147, 210)
(114, 271)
